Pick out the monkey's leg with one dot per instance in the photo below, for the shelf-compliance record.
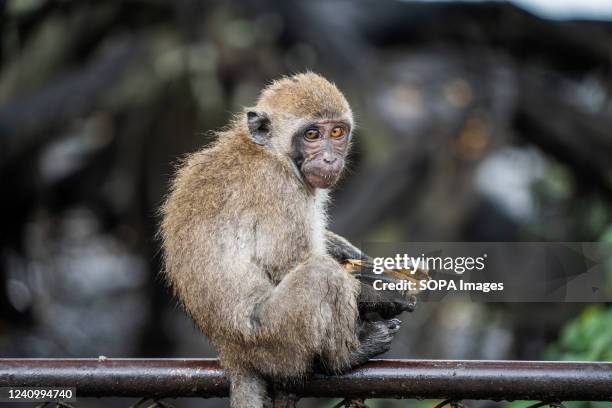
(314, 310)
(311, 312)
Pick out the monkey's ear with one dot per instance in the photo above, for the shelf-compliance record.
(259, 127)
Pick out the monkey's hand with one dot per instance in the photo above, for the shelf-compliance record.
(376, 304)
(385, 303)
(382, 305)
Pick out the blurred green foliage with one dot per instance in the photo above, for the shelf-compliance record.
(572, 404)
(588, 337)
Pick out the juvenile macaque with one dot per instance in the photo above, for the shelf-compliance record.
(246, 248)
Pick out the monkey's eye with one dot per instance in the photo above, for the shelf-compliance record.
(337, 132)
(312, 134)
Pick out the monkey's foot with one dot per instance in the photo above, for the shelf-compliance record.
(376, 338)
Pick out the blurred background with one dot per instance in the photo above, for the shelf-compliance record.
(478, 121)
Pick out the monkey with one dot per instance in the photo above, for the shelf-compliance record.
(247, 252)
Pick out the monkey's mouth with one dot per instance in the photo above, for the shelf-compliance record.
(320, 174)
(321, 179)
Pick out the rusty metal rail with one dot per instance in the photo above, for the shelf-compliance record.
(439, 379)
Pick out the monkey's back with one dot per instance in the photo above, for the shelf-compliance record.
(235, 218)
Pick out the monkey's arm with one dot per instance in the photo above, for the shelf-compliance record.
(341, 249)
(373, 304)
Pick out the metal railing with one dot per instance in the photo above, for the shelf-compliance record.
(155, 379)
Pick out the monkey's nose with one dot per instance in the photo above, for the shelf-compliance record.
(330, 160)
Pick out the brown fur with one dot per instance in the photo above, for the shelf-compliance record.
(244, 247)
(305, 95)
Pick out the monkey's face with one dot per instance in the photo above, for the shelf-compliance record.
(321, 149)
